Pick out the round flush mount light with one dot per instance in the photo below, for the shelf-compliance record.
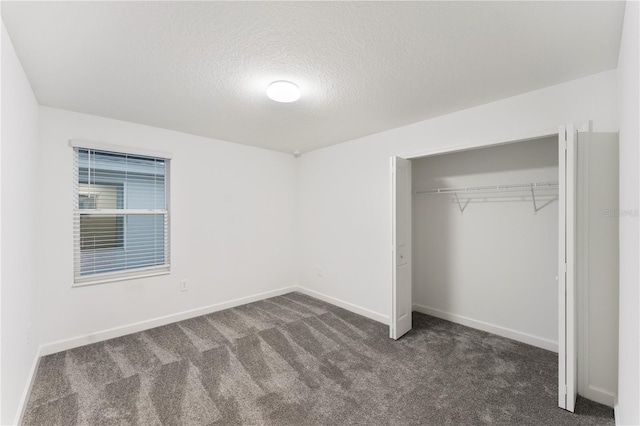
(283, 91)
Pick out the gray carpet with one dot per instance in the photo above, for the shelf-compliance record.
(294, 360)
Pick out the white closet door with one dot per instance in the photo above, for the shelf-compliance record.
(401, 247)
(567, 333)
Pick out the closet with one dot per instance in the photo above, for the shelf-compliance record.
(485, 239)
(518, 239)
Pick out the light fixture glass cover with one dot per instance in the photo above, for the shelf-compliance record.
(283, 91)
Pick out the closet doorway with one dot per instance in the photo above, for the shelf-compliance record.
(533, 179)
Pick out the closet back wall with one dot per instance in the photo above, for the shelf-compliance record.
(494, 266)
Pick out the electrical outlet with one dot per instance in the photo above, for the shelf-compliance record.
(320, 271)
(184, 285)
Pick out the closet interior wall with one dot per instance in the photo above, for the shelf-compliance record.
(493, 266)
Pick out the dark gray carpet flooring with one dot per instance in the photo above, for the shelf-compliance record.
(294, 360)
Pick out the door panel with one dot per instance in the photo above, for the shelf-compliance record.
(597, 265)
(401, 246)
(567, 333)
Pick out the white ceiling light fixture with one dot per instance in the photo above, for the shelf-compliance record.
(283, 91)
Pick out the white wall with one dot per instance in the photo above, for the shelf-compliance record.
(232, 228)
(494, 266)
(344, 190)
(19, 193)
(628, 405)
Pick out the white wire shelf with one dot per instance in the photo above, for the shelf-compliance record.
(514, 187)
(547, 189)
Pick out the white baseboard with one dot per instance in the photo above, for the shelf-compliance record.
(600, 395)
(99, 336)
(530, 339)
(384, 319)
(22, 405)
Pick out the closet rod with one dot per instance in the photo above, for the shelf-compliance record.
(493, 188)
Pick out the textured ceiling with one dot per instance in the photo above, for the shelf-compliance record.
(203, 67)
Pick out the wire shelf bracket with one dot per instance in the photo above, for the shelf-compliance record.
(462, 208)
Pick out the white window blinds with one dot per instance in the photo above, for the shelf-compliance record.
(121, 215)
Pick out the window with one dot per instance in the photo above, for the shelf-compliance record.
(121, 216)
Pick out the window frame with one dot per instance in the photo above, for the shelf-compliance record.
(126, 274)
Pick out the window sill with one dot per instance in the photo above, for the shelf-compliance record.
(122, 276)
